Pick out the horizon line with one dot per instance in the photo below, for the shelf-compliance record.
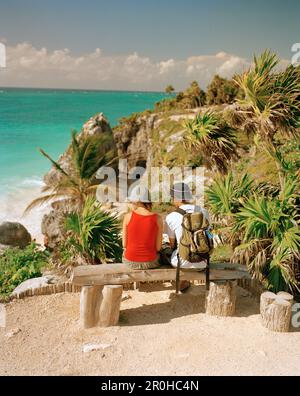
(83, 89)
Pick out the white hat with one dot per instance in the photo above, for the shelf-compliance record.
(138, 193)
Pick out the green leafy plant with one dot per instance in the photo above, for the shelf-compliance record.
(271, 103)
(18, 265)
(224, 197)
(94, 234)
(211, 136)
(225, 194)
(271, 237)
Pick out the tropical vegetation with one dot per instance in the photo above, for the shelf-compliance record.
(192, 97)
(245, 131)
(222, 90)
(75, 185)
(264, 218)
(93, 234)
(18, 265)
(209, 134)
(169, 89)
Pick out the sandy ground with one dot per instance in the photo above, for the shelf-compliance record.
(159, 334)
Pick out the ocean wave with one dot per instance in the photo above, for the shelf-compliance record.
(33, 181)
(14, 201)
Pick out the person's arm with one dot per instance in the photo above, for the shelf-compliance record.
(159, 233)
(171, 233)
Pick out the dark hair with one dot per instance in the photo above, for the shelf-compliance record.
(147, 205)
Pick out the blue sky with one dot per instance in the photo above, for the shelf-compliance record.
(160, 30)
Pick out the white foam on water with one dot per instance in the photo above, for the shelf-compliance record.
(15, 199)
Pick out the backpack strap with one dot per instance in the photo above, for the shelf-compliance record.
(180, 211)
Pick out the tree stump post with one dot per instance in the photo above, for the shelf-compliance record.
(90, 302)
(276, 311)
(110, 307)
(221, 298)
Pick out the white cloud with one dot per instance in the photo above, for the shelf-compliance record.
(166, 66)
(30, 66)
(232, 65)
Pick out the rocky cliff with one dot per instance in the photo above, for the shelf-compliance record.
(133, 139)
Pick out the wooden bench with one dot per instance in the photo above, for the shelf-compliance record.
(102, 286)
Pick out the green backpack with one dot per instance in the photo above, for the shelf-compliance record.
(195, 244)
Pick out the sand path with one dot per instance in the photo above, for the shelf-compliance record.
(158, 335)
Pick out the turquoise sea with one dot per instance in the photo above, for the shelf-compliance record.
(32, 118)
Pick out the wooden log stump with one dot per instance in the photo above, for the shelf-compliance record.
(276, 311)
(221, 298)
(90, 302)
(110, 307)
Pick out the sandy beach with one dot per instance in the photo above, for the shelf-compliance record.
(159, 334)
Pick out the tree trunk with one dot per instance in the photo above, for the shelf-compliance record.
(221, 298)
(276, 311)
(90, 302)
(110, 307)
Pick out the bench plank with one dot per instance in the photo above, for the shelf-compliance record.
(119, 274)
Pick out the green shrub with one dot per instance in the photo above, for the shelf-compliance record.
(191, 98)
(18, 265)
(226, 193)
(93, 234)
(221, 90)
(271, 237)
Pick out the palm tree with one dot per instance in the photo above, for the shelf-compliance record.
(271, 104)
(211, 136)
(195, 96)
(169, 89)
(88, 154)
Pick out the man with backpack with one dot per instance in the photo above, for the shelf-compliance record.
(188, 231)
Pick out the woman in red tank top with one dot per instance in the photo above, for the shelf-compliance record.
(142, 236)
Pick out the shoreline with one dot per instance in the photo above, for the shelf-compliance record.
(14, 202)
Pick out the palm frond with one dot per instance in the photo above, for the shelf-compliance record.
(272, 98)
(213, 138)
(281, 275)
(54, 163)
(97, 233)
(255, 255)
(226, 193)
(42, 201)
